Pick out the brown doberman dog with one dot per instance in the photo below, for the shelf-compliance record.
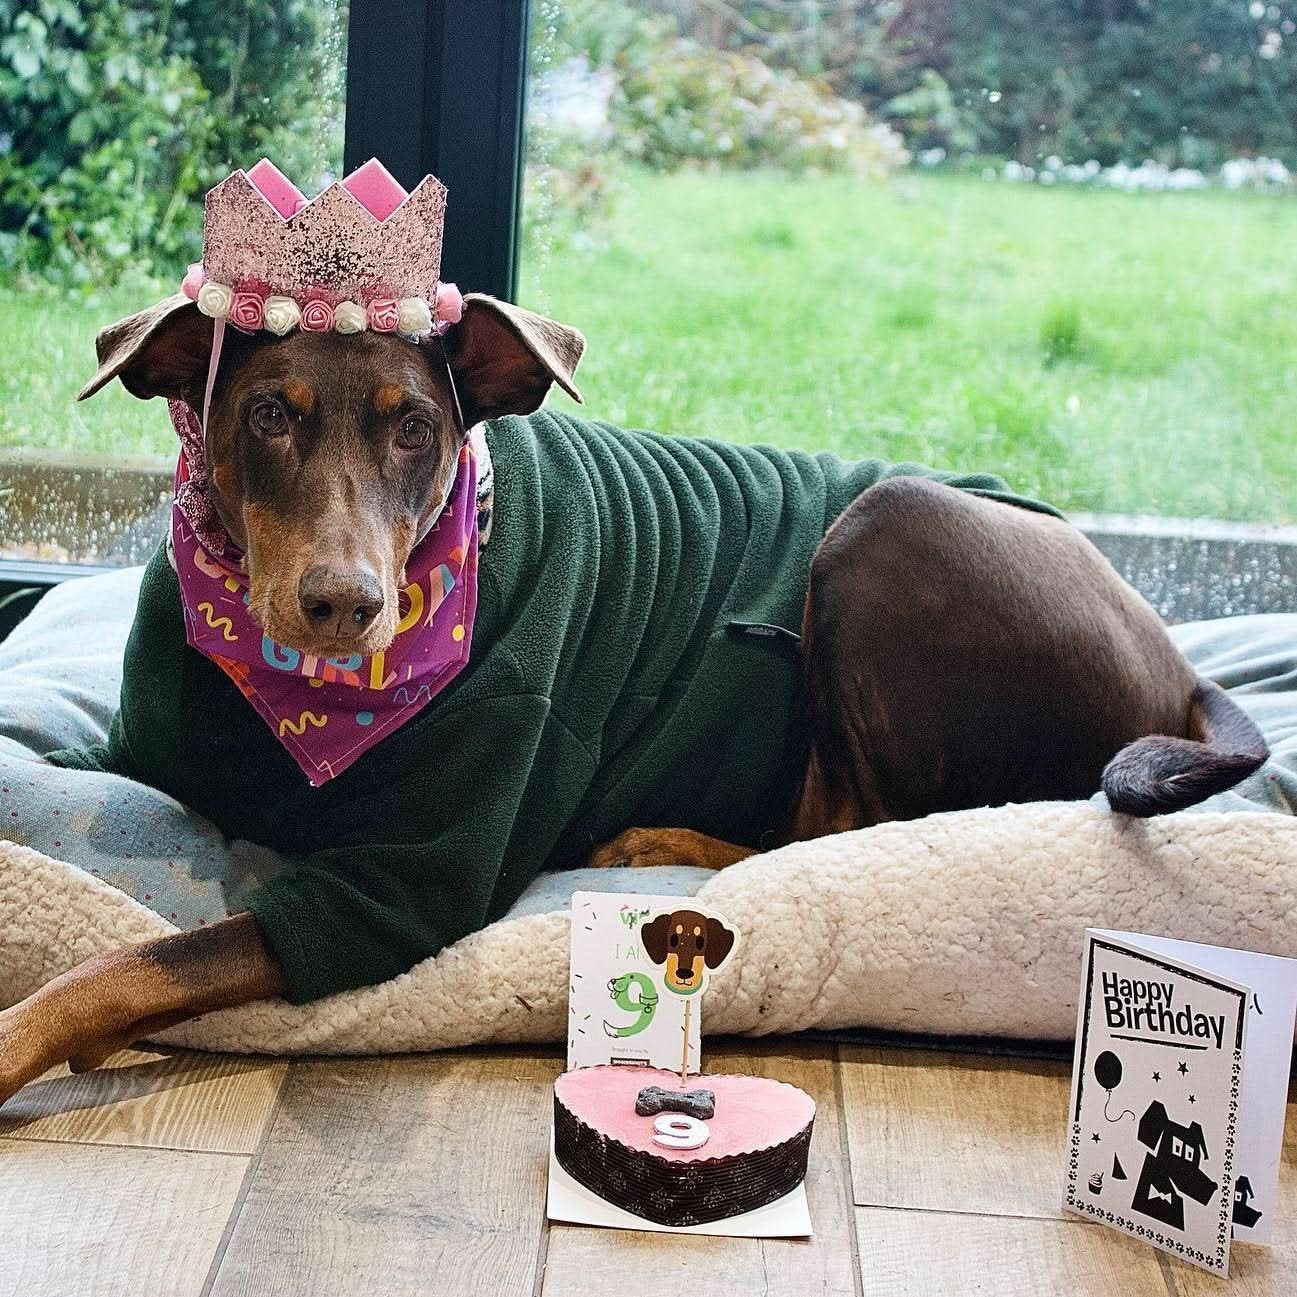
(1027, 669)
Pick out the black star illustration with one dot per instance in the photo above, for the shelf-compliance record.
(1157, 1076)
(1095, 1137)
(1183, 1069)
(1192, 1099)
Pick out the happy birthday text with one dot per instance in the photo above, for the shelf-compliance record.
(1130, 1004)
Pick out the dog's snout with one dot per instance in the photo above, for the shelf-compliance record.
(348, 600)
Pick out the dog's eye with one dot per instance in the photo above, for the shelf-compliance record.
(675, 941)
(415, 433)
(268, 419)
(699, 943)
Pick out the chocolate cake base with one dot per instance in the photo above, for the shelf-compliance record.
(677, 1193)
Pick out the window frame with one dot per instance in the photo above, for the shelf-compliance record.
(462, 69)
(437, 86)
(431, 86)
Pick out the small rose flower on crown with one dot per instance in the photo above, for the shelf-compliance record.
(317, 315)
(282, 315)
(414, 317)
(384, 315)
(247, 310)
(215, 300)
(349, 317)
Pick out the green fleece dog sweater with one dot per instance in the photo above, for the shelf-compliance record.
(605, 690)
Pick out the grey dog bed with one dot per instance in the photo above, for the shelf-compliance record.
(887, 919)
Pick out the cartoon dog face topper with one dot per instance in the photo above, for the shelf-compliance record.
(687, 944)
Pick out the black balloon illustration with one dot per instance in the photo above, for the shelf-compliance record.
(1107, 1070)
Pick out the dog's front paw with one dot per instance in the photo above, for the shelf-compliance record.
(646, 848)
(22, 1051)
(636, 848)
(87, 1058)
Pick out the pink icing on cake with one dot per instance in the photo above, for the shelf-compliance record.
(752, 1112)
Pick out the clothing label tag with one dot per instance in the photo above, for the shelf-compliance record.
(639, 968)
(1179, 1091)
(781, 635)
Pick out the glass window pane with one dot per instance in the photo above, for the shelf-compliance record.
(115, 119)
(1050, 240)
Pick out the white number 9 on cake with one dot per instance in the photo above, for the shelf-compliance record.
(754, 1144)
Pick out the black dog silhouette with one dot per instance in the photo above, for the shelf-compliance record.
(1171, 1169)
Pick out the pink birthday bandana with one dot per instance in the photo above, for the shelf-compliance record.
(328, 712)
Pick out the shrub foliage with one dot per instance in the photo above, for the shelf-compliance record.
(1184, 82)
(115, 116)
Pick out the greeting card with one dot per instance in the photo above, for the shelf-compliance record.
(1179, 1091)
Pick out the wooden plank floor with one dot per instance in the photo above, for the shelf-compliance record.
(190, 1174)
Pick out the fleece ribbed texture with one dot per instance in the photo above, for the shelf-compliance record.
(604, 691)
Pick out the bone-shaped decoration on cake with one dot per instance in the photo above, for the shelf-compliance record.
(694, 1103)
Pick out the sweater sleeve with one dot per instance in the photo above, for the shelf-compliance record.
(420, 864)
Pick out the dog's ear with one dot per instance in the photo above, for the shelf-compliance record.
(654, 937)
(504, 359)
(1152, 1125)
(159, 352)
(720, 941)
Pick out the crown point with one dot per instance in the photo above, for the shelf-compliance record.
(374, 187)
(276, 188)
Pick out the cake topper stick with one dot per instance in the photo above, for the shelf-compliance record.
(684, 1049)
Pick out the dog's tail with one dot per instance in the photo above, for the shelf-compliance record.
(1159, 773)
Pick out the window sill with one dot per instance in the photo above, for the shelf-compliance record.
(78, 514)
(1197, 569)
(83, 511)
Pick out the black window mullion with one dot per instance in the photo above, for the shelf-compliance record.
(438, 86)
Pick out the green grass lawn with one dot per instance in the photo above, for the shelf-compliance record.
(1107, 351)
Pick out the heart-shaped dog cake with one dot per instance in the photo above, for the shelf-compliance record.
(672, 1168)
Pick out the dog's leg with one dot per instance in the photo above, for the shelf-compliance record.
(645, 847)
(112, 1000)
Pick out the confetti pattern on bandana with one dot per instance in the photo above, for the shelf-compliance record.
(301, 698)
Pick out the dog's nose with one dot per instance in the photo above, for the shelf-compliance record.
(351, 599)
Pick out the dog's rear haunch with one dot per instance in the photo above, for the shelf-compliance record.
(961, 652)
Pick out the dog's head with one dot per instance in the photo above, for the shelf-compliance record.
(684, 943)
(330, 455)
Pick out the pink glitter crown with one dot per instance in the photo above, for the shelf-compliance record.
(363, 253)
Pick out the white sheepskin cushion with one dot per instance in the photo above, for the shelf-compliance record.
(962, 924)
